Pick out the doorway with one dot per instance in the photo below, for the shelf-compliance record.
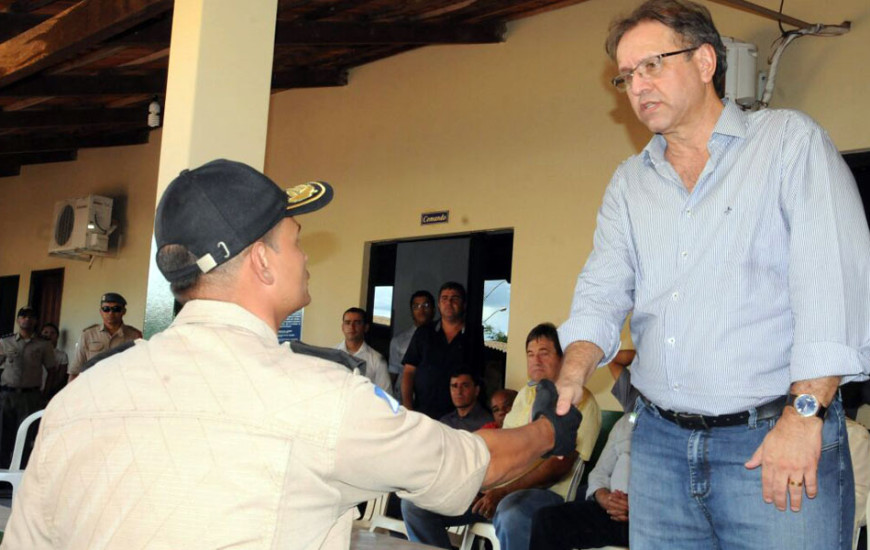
(46, 292)
(480, 261)
(8, 301)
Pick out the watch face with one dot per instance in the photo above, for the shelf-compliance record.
(806, 405)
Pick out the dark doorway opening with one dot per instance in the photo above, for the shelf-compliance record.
(8, 300)
(481, 261)
(46, 293)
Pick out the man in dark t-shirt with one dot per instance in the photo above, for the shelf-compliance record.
(434, 352)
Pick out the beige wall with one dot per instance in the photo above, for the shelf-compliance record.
(523, 134)
(127, 174)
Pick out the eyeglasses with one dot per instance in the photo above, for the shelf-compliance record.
(650, 67)
(424, 305)
(113, 309)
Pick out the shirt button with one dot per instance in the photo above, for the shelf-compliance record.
(675, 296)
(671, 340)
(676, 387)
(684, 253)
(689, 212)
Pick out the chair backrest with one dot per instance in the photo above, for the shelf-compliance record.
(21, 439)
(576, 476)
(608, 419)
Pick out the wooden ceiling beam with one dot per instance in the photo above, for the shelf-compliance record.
(39, 158)
(764, 12)
(282, 80)
(347, 34)
(27, 6)
(41, 144)
(337, 34)
(71, 31)
(107, 83)
(52, 118)
(16, 23)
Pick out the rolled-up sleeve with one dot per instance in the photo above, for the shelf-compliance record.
(604, 293)
(829, 249)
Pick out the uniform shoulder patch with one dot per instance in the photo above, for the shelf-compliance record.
(391, 401)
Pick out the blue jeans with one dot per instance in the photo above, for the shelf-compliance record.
(431, 528)
(513, 516)
(690, 490)
(512, 520)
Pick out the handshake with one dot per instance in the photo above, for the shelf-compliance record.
(565, 426)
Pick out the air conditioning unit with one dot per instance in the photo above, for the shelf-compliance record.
(81, 226)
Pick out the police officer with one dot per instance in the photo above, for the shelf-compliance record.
(22, 357)
(99, 338)
(212, 434)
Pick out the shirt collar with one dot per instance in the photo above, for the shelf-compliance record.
(733, 122)
(212, 312)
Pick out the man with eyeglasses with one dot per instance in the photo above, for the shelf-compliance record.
(422, 313)
(112, 333)
(434, 351)
(738, 242)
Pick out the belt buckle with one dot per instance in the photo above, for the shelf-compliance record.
(691, 421)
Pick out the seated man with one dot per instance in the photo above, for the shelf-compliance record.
(469, 415)
(512, 505)
(500, 404)
(602, 518)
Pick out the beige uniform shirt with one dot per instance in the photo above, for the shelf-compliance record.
(97, 339)
(22, 361)
(211, 434)
(587, 434)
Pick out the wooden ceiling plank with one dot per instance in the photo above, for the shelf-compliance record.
(27, 6)
(308, 79)
(336, 34)
(79, 117)
(53, 142)
(39, 158)
(71, 31)
(764, 12)
(16, 23)
(83, 85)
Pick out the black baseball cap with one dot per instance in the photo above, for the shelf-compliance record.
(220, 208)
(113, 297)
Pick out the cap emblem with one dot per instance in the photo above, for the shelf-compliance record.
(303, 194)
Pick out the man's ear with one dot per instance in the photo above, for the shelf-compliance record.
(259, 262)
(705, 58)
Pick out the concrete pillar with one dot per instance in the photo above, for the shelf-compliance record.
(217, 102)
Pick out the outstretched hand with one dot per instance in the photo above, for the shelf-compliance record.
(564, 425)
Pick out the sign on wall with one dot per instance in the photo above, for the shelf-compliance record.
(427, 218)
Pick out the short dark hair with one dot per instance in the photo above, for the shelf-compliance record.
(422, 294)
(548, 331)
(357, 310)
(463, 370)
(690, 21)
(172, 257)
(52, 325)
(453, 285)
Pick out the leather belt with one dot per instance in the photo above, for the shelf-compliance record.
(703, 422)
(18, 390)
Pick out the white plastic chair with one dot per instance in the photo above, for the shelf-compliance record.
(14, 474)
(373, 507)
(484, 530)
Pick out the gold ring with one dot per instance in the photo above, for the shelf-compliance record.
(795, 483)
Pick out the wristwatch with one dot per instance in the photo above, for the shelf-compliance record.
(807, 405)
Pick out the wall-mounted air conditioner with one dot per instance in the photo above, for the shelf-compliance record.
(741, 80)
(81, 226)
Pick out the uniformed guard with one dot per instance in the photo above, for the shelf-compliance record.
(213, 434)
(97, 339)
(23, 356)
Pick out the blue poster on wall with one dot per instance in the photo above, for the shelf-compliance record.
(291, 328)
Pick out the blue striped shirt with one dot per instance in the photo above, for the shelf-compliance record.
(757, 278)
